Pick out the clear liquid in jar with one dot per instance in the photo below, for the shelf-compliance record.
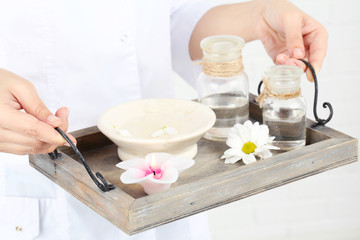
(287, 126)
(229, 108)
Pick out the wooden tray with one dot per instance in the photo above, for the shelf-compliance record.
(208, 184)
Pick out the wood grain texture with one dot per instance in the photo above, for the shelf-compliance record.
(208, 184)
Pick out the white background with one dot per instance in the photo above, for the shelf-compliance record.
(327, 205)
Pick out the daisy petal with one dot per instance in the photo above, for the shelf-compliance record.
(244, 133)
(264, 129)
(234, 152)
(249, 158)
(234, 135)
(248, 124)
(234, 143)
(272, 147)
(263, 135)
(270, 139)
(265, 153)
(254, 132)
(232, 160)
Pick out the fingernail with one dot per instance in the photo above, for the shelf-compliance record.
(309, 76)
(298, 53)
(66, 144)
(281, 58)
(316, 69)
(53, 118)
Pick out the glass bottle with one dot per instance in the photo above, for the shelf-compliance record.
(223, 84)
(284, 111)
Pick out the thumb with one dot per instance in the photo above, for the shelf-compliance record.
(63, 114)
(30, 101)
(294, 38)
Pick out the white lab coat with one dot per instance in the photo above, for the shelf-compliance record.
(88, 56)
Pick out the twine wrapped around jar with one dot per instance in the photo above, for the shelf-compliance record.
(267, 92)
(222, 69)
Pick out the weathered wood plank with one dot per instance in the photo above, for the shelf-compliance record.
(72, 176)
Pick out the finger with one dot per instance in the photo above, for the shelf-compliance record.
(316, 41)
(294, 37)
(307, 70)
(18, 149)
(281, 59)
(31, 127)
(72, 139)
(302, 65)
(15, 148)
(317, 53)
(30, 101)
(30, 145)
(8, 136)
(296, 62)
(63, 114)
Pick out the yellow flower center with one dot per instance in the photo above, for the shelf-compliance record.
(249, 147)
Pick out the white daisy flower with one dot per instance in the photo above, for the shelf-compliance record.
(247, 141)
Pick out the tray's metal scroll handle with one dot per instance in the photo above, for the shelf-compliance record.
(320, 122)
(103, 185)
(259, 87)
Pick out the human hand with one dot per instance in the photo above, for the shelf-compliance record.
(289, 34)
(30, 131)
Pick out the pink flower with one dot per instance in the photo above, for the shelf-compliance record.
(156, 172)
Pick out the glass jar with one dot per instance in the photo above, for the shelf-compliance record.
(284, 109)
(223, 84)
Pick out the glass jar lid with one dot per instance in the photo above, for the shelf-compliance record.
(284, 79)
(221, 48)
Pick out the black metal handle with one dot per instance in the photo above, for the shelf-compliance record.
(320, 122)
(259, 87)
(104, 185)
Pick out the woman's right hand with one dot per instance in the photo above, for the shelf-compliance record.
(30, 131)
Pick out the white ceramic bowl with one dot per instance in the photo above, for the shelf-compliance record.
(131, 126)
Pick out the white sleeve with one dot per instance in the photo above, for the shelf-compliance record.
(184, 17)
